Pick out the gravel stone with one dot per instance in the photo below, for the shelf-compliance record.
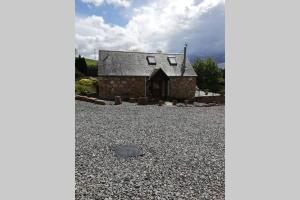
(183, 152)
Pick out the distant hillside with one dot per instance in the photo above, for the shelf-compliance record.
(90, 62)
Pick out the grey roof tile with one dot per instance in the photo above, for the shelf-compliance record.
(125, 63)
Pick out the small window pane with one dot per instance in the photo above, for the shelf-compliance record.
(151, 60)
(172, 60)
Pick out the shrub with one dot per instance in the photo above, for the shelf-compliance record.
(85, 81)
(86, 86)
(210, 76)
(81, 89)
(88, 81)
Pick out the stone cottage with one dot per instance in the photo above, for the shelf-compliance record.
(138, 74)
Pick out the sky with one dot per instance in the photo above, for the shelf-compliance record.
(151, 25)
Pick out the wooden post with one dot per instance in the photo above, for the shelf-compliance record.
(118, 100)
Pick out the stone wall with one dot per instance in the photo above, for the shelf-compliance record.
(182, 87)
(134, 87)
(125, 86)
(211, 99)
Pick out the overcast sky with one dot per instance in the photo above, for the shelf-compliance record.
(151, 25)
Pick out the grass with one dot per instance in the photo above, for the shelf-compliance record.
(90, 62)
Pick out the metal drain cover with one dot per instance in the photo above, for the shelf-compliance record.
(126, 151)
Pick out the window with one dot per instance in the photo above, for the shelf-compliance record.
(151, 60)
(172, 60)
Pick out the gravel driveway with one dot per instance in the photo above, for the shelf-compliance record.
(184, 152)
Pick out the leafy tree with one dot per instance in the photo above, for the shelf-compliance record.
(210, 76)
(222, 82)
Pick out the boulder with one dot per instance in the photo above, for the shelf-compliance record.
(100, 102)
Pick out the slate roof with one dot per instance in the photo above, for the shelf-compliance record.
(125, 63)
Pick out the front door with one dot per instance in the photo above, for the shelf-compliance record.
(156, 89)
(159, 84)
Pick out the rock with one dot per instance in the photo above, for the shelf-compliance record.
(78, 97)
(100, 102)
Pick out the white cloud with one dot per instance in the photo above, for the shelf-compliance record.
(124, 3)
(163, 24)
(94, 2)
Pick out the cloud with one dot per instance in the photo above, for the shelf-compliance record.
(163, 25)
(94, 2)
(124, 3)
(93, 33)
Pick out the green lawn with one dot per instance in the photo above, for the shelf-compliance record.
(90, 62)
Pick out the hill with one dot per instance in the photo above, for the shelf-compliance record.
(90, 62)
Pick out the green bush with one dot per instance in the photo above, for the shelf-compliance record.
(209, 75)
(86, 86)
(88, 81)
(81, 89)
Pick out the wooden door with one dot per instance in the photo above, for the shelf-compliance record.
(156, 89)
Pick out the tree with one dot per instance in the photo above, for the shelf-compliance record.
(210, 76)
(222, 82)
(80, 64)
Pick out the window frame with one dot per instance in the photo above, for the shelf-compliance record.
(149, 61)
(170, 58)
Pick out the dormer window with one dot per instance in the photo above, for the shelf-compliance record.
(172, 60)
(151, 60)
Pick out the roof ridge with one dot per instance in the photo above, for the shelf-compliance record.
(142, 52)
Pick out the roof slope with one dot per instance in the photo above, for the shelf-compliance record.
(124, 63)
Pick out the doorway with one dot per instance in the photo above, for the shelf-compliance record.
(159, 84)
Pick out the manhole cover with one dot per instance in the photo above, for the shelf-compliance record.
(126, 151)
